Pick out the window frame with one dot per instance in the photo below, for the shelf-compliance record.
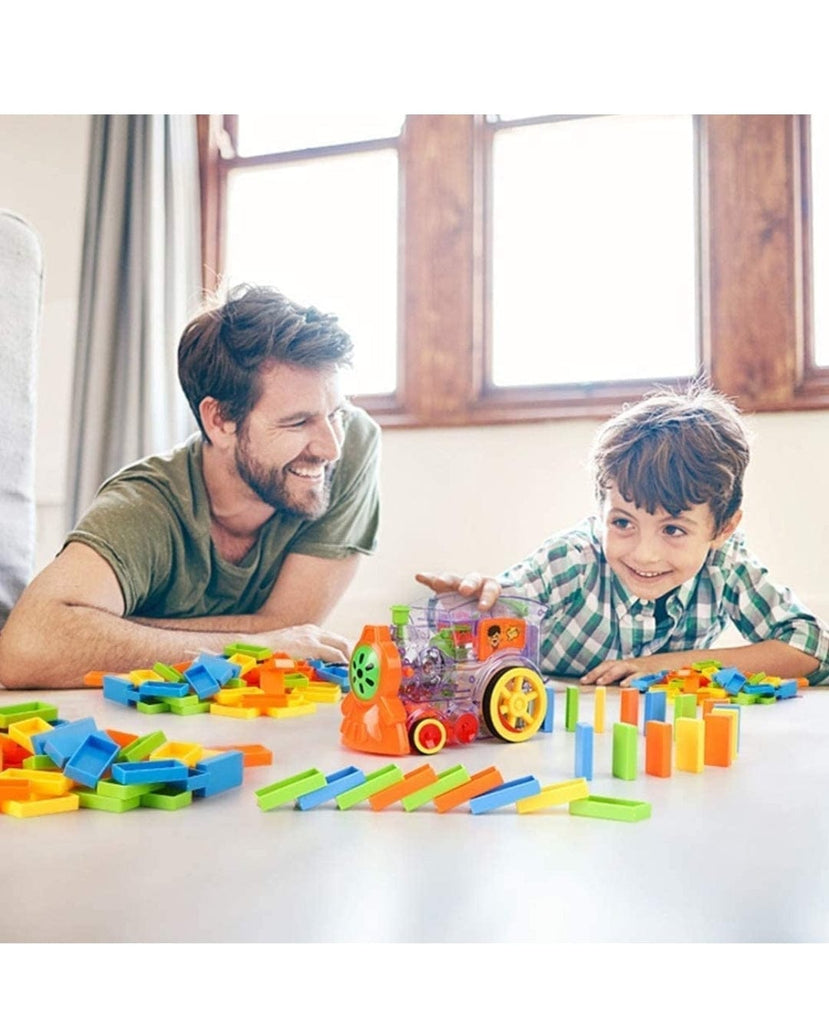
(754, 268)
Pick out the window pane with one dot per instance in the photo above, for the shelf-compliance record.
(275, 133)
(594, 251)
(324, 232)
(820, 235)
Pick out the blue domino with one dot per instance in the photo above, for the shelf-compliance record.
(157, 689)
(338, 782)
(549, 717)
(92, 758)
(204, 683)
(222, 771)
(163, 770)
(61, 743)
(220, 668)
(507, 793)
(656, 704)
(120, 690)
(731, 680)
(787, 689)
(584, 751)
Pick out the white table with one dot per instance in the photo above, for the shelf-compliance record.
(731, 855)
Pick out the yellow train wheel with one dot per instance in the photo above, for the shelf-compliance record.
(428, 736)
(514, 704)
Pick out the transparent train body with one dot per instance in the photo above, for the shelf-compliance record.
(446, 673)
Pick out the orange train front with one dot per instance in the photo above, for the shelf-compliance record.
(445, 674)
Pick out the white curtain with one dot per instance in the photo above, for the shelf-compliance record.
(140, 284)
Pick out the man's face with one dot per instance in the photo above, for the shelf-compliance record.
(653, 554)
(287, 446)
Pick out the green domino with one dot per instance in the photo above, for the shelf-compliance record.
(446, 780)
(20, 712)
(167, 801)
(685, 705)
(40, 763)
(140, 749)
(251, 650)
(106, 803)
(625, 739)
(189, 705)
(381, 779)
(289, 789)
(152, 706)
(610, 807)
(296, 679)
(745, 698)
(168, 673)
(122, 791)
(571, 708)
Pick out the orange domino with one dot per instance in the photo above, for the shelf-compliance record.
(629, 710)
(658, 748)
(480, 782)
(94, 679)
(253, 754)
(719, 740)
(123, 739)
(15, 789)
(411, 782)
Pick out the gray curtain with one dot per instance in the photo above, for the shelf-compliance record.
(140, 284)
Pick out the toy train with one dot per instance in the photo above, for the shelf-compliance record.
(445, 673)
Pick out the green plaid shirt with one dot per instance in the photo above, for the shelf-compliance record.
(592, 618)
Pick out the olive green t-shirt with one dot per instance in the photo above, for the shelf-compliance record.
(151, 522)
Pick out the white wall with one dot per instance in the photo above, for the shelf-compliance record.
(452, 499)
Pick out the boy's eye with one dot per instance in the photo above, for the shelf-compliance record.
(620, 522)
(674, 531)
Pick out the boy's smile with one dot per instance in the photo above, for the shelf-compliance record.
(654, 553)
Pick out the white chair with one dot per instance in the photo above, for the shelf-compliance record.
(21, 289)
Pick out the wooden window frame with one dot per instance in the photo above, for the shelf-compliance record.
(754, 320)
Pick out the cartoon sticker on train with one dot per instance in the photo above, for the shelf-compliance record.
(445, 673)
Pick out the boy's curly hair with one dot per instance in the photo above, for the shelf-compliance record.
(673, 450)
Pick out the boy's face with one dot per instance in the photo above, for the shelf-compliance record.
(653, 554)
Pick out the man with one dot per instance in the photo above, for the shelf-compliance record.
(250, 531)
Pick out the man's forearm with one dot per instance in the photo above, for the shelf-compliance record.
(212, 624)
(76, 639)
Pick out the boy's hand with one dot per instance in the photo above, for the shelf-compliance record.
(621, 671)
(473, 584)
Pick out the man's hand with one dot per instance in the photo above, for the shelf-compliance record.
(621, 671)
(485, 588)
(308, 641)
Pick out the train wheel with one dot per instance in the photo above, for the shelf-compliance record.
(465, 727)
(428, 736)
(514, 704)
(364, 672)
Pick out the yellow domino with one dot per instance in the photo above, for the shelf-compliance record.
(244, 661)
(188, 753)
(599, 709)
(690, 744)
(144, 675)
(232, 696)
(34, 807)
(22, 732)
(558, 793)
(291, 712)
(229, 712)
(47, 783)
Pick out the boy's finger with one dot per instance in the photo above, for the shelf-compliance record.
(490, 592)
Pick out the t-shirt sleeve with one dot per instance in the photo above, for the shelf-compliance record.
(128, 525)
(763, 610)
(350, 525)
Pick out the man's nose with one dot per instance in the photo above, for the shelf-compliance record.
(327, 442)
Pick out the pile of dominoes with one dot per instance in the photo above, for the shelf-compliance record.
(244, 682)
(48, 766)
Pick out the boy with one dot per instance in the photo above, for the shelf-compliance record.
(652, 580)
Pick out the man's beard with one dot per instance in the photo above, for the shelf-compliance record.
(273, 485)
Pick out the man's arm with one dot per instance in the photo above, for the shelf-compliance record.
(69, 621)
(774, 657)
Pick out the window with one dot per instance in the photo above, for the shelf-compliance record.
(680, 243)
(819, 205)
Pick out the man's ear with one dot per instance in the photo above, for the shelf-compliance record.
(219, 431)
(727, 529)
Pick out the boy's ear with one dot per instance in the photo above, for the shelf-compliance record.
(728, 529)
(218, 429)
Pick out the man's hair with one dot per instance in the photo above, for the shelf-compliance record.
(673, 450)
(224, 348)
